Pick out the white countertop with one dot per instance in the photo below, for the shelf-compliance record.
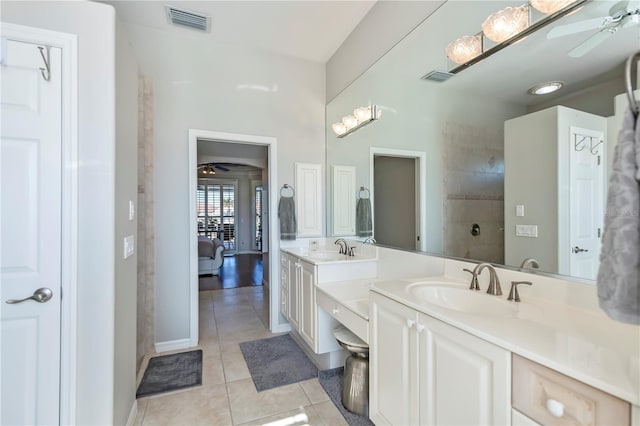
(581, 344)
(309, 255)
(352, 294)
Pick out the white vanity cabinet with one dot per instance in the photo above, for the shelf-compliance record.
(306, 282)
(423, 371)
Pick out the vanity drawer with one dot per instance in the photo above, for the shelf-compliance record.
(551, 398)
(358, 325)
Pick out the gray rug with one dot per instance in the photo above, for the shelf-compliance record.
(276, 361)
(331, 381)
(168, 373)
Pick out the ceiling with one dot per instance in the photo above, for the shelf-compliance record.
(310, 30)
(508, 74)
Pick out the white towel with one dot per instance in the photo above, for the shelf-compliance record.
(619, 274)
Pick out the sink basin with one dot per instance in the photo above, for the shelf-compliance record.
(462, 299)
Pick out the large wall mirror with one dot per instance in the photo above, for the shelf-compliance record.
(476, 167)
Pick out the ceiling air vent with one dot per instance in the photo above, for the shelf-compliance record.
(438, 76)
(188, 19)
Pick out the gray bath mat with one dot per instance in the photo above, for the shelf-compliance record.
(168, 373)
(331, 381)
(276, 361)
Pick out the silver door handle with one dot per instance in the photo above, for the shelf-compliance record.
(41, 295)
(577, 249)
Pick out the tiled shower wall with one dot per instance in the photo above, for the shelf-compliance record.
(474, 192)
(146, 252)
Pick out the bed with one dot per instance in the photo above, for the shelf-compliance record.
(210, 255)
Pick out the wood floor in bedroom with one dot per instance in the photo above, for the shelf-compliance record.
(240, 270)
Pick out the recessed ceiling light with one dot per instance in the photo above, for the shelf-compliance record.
(544, 88)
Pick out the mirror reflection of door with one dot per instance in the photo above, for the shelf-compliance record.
(395, 201)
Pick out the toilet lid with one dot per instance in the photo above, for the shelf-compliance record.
(347, 337)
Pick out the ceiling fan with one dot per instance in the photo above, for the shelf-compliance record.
(620, 16)
(210, 168)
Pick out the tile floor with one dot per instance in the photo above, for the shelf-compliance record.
(227, 395)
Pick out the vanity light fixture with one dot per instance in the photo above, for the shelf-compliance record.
(506, 23)
(545, 88)
(506, 27)
(360, 118)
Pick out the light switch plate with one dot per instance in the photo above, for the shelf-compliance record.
(129, 246)
(527, 231)
(520, 210)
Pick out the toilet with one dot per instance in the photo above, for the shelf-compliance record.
(355, 388)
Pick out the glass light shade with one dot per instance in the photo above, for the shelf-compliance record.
(464, 49)
(350, 121)
(506, 23)
(550, 6)
(339, 128)
(362, 114)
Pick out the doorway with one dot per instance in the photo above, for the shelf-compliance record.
(245, 148)
(398, 198)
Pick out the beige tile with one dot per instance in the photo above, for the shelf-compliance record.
(142, 407)
(248, 404)
(235, 367)
(212, 370)
(244, 336)
(298, 417)
(314, 391)
(195, 407)
(328, 414)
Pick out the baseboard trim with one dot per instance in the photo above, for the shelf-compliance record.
(282, 328)
(173, 345)
(133, 413)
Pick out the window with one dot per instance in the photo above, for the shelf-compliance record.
(257, 197)
(216, 210)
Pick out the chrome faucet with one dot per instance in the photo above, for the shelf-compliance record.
(530, 262)
(474, 279)
(343, 245)
(369, 240)
(513, 293)
(494, 281)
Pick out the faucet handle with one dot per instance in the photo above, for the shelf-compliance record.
(474, 280)
(513, 293)
(352, 250)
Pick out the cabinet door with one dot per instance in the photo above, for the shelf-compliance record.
(307, 312)
(463, 379)
(294, 292)
(393, 361)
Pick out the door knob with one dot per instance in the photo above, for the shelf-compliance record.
(41, 295)
(577, 249)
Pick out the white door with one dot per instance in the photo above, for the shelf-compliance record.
(586, 208)
(30, 233)
(393, 374)
(463, 380)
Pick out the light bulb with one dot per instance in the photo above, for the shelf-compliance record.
(362, 114)
(506, 23)
(350, 121)
(339, 128)
(464, 49)
(550, 6)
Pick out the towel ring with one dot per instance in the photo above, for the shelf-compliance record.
(366, 191)
(284, 188)
(633, 103)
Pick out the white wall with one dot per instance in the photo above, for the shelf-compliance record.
(199, 84)
(94, 23)
(126, 190)
(382, 28)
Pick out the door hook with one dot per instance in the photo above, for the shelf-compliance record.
(47, 62)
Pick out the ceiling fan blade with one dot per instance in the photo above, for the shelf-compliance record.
(219, 167)
(591, 42)
(577, 27)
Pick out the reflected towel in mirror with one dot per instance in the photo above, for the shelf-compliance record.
(364, 225)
